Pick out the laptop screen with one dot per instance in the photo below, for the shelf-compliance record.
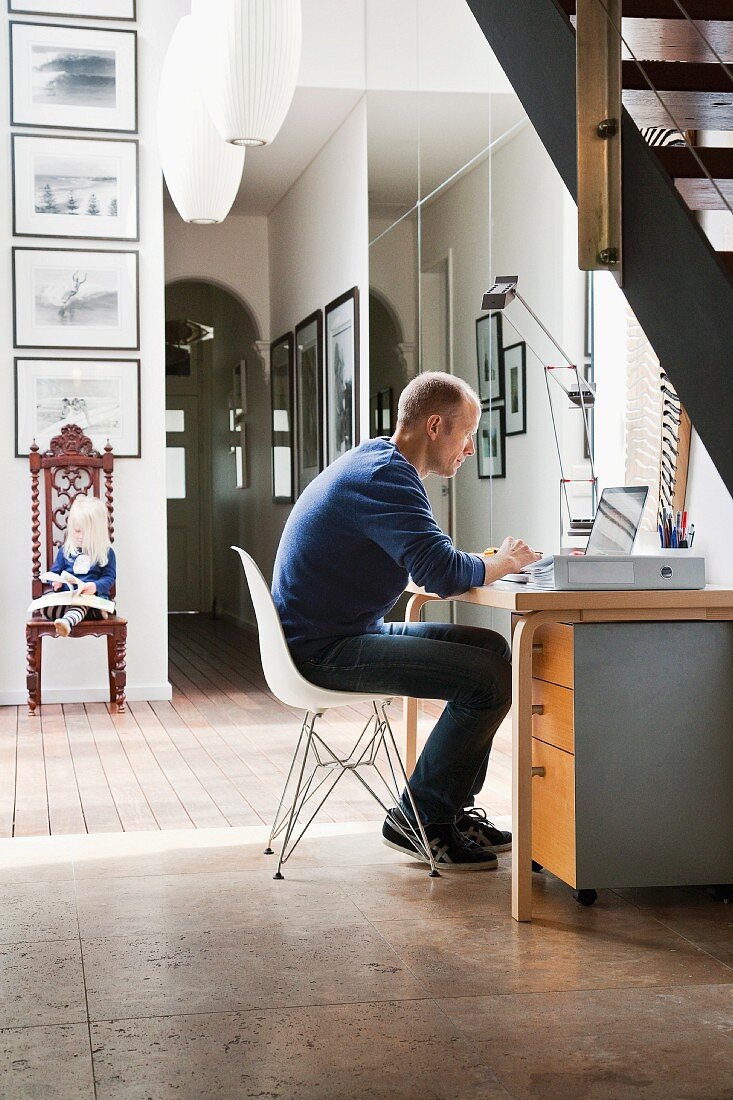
(617, 520)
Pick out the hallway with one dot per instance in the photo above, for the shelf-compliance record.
(215, 756)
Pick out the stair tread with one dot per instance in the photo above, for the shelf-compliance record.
(681, 164)
(667, 9)
(702, 195)
(678, 76)
(690, 110)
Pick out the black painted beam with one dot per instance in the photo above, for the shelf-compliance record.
(678, 288)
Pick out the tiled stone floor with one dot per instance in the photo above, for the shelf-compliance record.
(171, 965)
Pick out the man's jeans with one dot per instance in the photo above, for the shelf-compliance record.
(468, 667)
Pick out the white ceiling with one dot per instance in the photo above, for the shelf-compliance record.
(269, 172)
(415, 141)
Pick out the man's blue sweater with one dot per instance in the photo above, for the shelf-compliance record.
(352, 539)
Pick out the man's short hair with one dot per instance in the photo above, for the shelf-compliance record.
(430, 393)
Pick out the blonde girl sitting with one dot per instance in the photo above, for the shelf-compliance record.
(88, 554)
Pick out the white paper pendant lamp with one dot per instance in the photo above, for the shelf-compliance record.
(250, 56)
(202, 171)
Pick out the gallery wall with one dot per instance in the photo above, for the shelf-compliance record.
(76, 670)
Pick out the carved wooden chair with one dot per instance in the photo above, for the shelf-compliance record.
(70, 466)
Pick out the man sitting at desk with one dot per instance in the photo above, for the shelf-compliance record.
(354, 536)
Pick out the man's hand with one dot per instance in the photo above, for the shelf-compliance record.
(56, 585)
(512, 556)
(88, 589)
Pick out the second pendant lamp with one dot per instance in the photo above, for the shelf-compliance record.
(249, 54)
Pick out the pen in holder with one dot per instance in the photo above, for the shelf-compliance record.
(674, 533)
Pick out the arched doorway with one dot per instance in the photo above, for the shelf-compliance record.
(210, 338)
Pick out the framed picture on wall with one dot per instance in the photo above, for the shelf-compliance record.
(281, 392)
(342, 374)
(76, 9)
(489, 358)
(77, 78)
(309, 397)
(491, 443)
(515, 388)
(102, 396)
(75, 187)
(69, 298)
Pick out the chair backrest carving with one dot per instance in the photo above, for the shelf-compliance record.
(69, 466)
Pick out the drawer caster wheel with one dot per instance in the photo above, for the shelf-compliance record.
(537, 867)
(586, 897)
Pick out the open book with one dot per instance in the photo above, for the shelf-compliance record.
(70, 595)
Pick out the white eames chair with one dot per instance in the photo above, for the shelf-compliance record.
(316, 768)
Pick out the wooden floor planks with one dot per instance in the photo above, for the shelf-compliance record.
(216, 755)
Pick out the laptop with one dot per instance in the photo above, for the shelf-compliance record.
(615, 527)
(617, 520)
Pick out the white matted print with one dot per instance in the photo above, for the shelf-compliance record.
(515, 388)
(75, 9)
(491, 443)
(67, 298)
(342, 374)
(101, 396)
(73, 77)
(75, 187)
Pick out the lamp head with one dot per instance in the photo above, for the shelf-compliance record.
(501, 293)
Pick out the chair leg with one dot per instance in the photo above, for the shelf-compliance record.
(277, 821)
(33, 669)
(385, 738)
(116, 657)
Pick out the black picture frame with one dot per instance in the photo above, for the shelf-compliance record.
(515, 388)
(44, 124)
(492, 420)
(342, 404)
(133, 142)
(101, 439)
(13, 10)
(309, 399)
(282, 420)
(98, 346)
(490, 357)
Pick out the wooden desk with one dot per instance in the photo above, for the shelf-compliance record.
(535, 608)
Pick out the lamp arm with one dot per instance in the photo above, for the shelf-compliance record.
(548, 334)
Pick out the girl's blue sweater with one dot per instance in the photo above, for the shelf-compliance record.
(104, 576)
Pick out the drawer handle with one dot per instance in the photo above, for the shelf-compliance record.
(537, 647)
(538, 708)
(539, 772)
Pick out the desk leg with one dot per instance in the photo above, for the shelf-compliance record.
(522, 769)
(413, 613)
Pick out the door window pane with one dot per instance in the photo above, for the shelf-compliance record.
(175, 473)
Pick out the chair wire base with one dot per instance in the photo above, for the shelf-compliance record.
(316, 769)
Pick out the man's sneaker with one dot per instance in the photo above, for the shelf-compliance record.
(475, 825)
(451, 851)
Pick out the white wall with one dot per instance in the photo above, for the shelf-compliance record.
(76, 670)
(507, 217)
(318, 236)
(232, 255)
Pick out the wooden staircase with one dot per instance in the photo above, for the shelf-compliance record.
(680, 289)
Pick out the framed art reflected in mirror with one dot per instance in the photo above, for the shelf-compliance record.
(489, 357)
(342, 374)
(491, 443)
(281, 391)
(515, 388)
(309, 398)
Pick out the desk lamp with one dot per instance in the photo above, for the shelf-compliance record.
(581, 393)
